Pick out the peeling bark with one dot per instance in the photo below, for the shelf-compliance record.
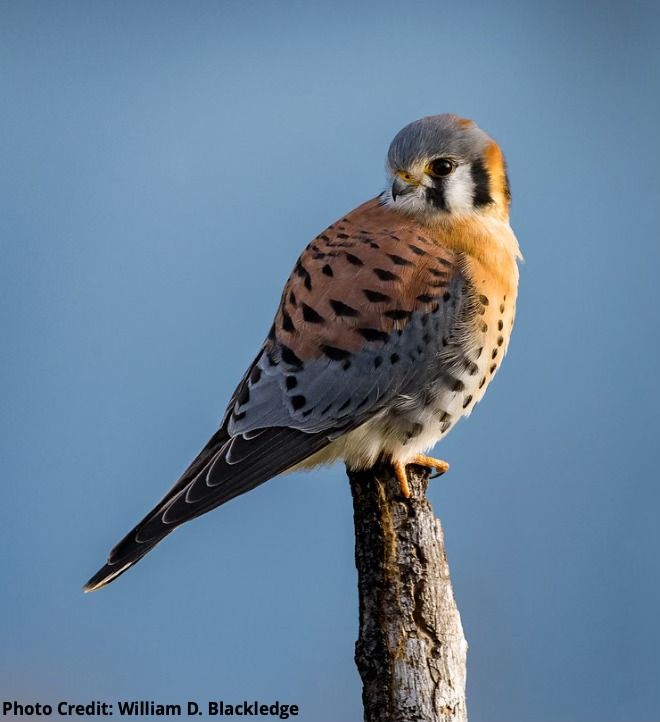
(411, 651)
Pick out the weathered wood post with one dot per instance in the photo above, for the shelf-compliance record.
(411, 651)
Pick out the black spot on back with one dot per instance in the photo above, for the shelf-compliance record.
(287, 323)
(375, 296)
(334, 353)
(373, 334)
(289, 357)
(397, 314)
(354, 260)
(327, 270)
(386, 275)
(298, 401)
(310, 315)
(398, 260)
(342, 309)
(291, 382)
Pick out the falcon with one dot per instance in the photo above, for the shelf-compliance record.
(390, 328)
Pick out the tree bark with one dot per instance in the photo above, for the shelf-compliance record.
(411, 651)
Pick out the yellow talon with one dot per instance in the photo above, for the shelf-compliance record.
(427, 461)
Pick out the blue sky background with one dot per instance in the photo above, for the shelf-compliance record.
(162, 165)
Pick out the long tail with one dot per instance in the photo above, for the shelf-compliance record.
(226, 467)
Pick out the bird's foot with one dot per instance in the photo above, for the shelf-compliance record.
(429, 462)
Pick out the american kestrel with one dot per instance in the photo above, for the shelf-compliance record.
(390, 328)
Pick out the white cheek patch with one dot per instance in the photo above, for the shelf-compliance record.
(459, 190)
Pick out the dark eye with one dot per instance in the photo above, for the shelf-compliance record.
(441, 167)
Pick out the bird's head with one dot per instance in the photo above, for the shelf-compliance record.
(443, 165)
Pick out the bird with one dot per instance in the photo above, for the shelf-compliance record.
(390, 328)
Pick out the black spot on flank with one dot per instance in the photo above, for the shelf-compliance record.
(373, 334)
(298, 401)
(398, 260)
(307, 413)
(386, 275)
(479, 350)
(378, 361)
(445, 426)
(397, 314)
(334, 353)
(483, 326)
(292, 299)
(425, 298)
(310, 315)
(483, 300)
(345, 405)
(467, 401)
(326, 270)
(324, 237)
(394, 358)
(372, 244)
(420, 349)
(255, 375)
(482, 382)
(416, 250)
(438, 274)
(501, 308)
(494, 354)
(443, 261)
(481, 180)
(500, 325)
(423, 240)
(458, 386)
(500, 340)
(492, 368)
(287, 323)
(435, 308)
(243, 396)
(445, 416)
(291, 382)
(446, 296)
(271, 333)
(354, 260)
(375, 296)
(414, 431)
(289, 357)
(342, 235)
(470, 367)
(481, 310)
(341, 309)
(346, 364)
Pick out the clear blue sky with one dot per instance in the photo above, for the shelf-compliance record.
(162, 164)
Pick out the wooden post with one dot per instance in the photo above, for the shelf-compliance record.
(411, 651)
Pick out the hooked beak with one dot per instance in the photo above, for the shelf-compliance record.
(403, 184)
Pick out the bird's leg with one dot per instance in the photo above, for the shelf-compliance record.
(429, 462)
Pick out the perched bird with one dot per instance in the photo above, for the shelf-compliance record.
(390, 328)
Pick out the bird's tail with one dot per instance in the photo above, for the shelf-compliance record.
(151, 530)
(226, 467)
